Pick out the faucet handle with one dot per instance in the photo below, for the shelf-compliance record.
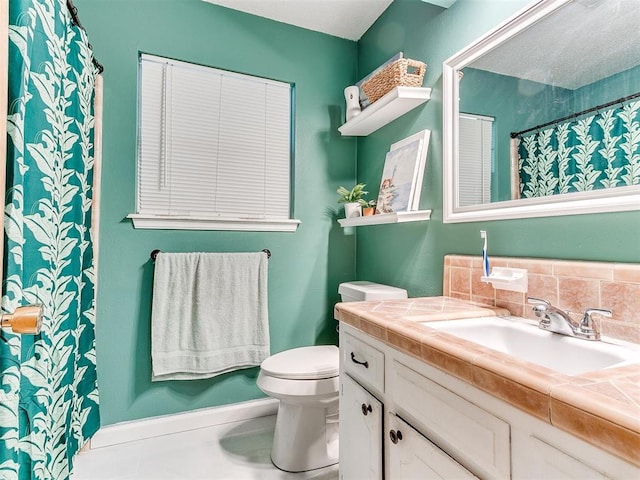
(605, 312)
(540, 305)
(540, 309)
(588, 328)
(538, 301)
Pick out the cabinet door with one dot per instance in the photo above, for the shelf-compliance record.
(476, 438)
(360, 432)
(413, 457)
(551, 462)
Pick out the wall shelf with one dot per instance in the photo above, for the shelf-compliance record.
(382, 218)
(397, 102)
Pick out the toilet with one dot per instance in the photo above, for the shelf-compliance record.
(306, 381)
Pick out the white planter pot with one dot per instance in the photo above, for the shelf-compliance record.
(352, 210)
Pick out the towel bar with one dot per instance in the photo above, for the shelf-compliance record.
(154, 253)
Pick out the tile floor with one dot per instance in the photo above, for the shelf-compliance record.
(237, 451)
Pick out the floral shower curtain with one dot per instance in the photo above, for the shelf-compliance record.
(48, 390)
(597, 151)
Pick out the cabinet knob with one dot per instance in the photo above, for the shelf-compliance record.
(395, 436)
(365, 364)
(366, 409)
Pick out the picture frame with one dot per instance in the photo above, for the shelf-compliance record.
(403, 173)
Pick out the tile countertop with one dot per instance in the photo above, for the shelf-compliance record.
(602, 408)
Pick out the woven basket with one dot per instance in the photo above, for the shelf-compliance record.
(404, 72)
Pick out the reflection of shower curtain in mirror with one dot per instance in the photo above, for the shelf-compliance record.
(515, 168)
(594, 152)
(48, 392)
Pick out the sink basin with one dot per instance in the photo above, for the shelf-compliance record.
(523, 339)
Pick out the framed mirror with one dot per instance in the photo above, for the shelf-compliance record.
(542, 114)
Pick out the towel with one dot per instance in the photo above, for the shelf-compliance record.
(209, 314)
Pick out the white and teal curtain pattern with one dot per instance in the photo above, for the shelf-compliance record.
(48, 391)
(597, 151)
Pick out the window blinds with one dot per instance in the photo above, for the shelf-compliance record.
(212, 143)
(474, 160)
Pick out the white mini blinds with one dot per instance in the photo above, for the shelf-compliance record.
(474, 159)
(213, 146)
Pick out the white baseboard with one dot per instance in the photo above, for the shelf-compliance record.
(182, 422)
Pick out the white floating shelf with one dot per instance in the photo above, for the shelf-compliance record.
(382, 218)
(397, 102)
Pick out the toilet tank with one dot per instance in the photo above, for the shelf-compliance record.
(360, 291)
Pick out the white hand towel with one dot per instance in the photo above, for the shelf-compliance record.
(209, 314)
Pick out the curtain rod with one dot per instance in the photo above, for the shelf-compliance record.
(76, 21)
(574, 115)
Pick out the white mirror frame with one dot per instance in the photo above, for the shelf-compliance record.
(606, 200)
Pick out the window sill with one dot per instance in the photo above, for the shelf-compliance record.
(170, 222)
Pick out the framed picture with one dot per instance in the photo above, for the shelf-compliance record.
(402, 175)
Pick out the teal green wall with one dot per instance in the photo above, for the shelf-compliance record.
(305, 268)
(608, 89)
(518, 104)
(515, 104)
(410, 255)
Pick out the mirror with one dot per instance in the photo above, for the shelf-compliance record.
(542, 114)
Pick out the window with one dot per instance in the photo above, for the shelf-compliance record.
(474, 159)
(214, 149)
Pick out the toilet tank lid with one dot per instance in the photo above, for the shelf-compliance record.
(304, 363)
(364, 290)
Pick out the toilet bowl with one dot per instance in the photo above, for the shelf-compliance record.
(306, 381)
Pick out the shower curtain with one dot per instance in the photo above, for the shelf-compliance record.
(597, 151)
(48, 390)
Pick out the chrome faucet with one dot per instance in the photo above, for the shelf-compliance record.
(588, 328)
(559, 321)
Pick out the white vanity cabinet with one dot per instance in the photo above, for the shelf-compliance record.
(541, 451)
(363, 362)
(360, 432)
(473, 436)
(553, 462)
(361, 413)
(425, 423)
(365, 439)
(412, 456)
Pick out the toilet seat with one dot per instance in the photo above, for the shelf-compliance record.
(304, 363)
(299, 391)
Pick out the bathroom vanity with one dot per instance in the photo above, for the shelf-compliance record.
(419, 403)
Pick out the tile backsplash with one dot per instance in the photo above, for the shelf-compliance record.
(570, 285)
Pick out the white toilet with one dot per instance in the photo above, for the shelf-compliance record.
(306, 382)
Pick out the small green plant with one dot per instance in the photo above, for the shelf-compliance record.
(353, 195)
(371, 203)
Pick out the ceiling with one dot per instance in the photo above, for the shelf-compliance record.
(348, 19)
(564, 49)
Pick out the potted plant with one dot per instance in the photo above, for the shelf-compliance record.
(352, 199)
(369, 208)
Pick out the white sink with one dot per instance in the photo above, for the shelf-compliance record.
(523, 339)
